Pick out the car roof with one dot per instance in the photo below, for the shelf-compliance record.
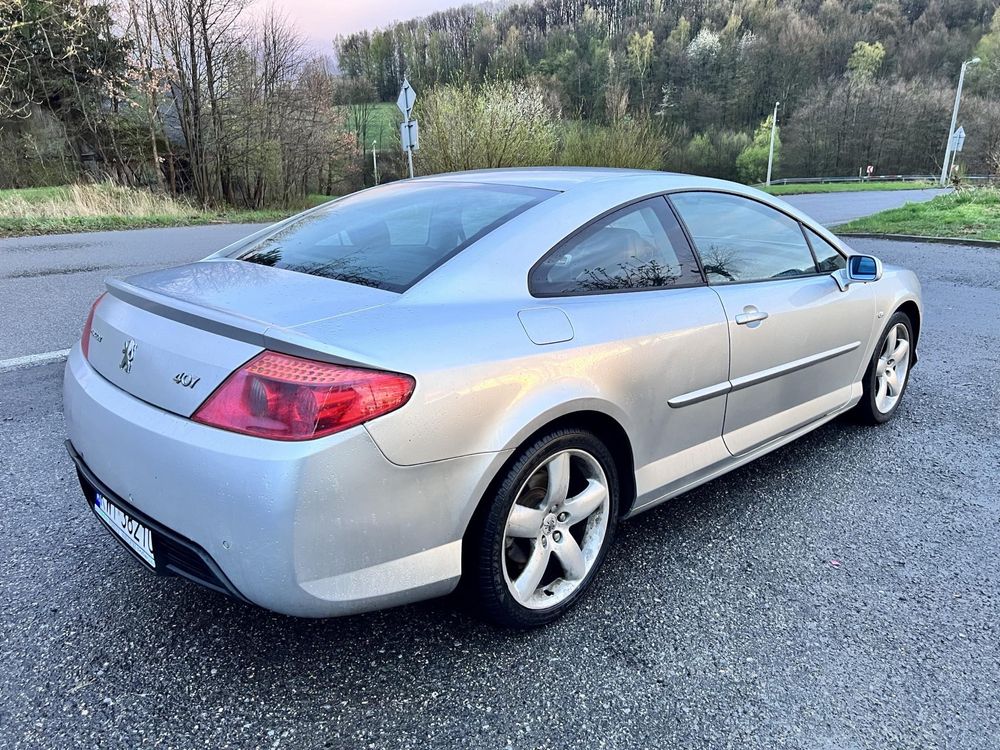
(559, 178)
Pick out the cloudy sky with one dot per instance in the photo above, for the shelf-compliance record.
(321, 20)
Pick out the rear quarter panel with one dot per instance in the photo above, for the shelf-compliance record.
(480, 381)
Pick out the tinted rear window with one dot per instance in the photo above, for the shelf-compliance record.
(392, 236)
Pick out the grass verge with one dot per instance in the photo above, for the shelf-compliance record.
(844, 187)
(88, 208)
(969, 214)
(383, 124)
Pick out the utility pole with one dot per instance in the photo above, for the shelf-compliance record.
(375, 160)
(770, 153)
(954, 119)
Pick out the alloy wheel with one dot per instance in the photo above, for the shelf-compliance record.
(892, 367)
(555, 529)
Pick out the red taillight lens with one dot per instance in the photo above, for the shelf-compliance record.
(88, 327)
(282, 397)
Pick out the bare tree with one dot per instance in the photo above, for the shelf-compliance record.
(196, 40)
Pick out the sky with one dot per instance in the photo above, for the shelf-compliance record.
(321, 20)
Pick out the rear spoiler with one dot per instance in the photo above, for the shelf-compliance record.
(231, 325)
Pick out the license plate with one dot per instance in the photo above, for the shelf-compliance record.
(134, 534)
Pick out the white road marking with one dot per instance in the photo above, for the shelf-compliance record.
(30, 360)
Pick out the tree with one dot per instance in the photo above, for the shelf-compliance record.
(865, 62)
(61, 59)
(986, 76)
(751, 164)
(196, 40)
(640, 56)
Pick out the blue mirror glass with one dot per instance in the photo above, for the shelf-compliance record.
(863, 266)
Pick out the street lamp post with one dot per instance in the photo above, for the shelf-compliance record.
(770, 153)
(954, 119)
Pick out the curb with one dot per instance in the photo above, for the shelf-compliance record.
(921, 238)
(31, 360)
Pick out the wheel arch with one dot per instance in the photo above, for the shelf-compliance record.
(912, 311)
(605, 427)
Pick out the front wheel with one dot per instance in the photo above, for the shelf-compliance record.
(888, 372)
(538, 544)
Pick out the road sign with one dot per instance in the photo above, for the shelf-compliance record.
(958, 139)
(409, 135)
(407, 96)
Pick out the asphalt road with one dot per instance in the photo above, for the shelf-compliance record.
(831, 209)
(50, 281)
(840, 593)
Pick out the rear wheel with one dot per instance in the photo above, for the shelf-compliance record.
(539, 542)
(888, 372)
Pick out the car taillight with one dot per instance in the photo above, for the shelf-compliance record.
(282, 397)
(88, 327)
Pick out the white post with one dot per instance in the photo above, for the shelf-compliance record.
(409, 159)
(954, 119)
(770, 153)
(375, 161)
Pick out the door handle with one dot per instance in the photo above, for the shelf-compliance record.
(750, 315)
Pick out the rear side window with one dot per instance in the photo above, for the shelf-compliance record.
(642, 246)
(392, 236)
(740, 239)
(828, 258)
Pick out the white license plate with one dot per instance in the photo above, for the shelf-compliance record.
(134, 534)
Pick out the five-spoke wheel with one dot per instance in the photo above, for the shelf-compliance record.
(892, 367)
(560, 515)
(536, 545)
(888, 371)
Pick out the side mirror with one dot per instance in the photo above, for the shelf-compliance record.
(860, 269)
(864, 268)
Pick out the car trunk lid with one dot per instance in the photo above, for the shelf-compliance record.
(172, 337)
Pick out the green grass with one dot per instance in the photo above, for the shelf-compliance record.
(89, 208)
(36, 194)
(383, 125)
(844, 187)
(970, 214)
(21, 227)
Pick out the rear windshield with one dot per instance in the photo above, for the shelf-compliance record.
(391, 237)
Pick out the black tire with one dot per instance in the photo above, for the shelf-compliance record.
(867, 411)
(484, 585)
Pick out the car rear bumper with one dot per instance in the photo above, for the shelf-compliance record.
(175, 555)
(316, 528)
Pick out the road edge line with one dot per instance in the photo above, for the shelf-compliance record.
(32, 360)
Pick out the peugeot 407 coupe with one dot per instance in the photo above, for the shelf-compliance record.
(468, 380)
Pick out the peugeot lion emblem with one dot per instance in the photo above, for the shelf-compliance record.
(128, 354)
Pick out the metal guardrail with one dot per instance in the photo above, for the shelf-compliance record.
(873, 178)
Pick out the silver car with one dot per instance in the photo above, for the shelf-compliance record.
(468, 380)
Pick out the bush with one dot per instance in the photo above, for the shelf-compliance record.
(501, 124)
(714, 153)
(625, 143)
